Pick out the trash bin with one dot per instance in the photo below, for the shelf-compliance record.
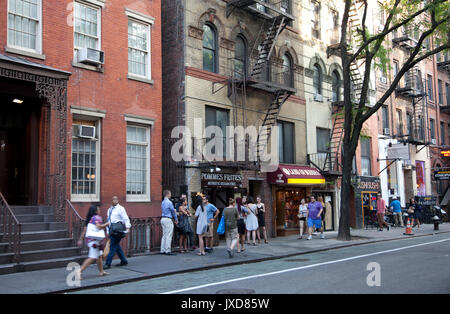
(436, 222)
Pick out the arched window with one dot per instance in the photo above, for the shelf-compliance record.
(317, 80)
(288, 78)
(336, 86)
(240, 57)
(209, 48)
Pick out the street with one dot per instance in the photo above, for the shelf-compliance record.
(417, 265)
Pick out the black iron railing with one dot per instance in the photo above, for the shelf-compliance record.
(11, 229)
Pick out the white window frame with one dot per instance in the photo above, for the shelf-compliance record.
(89, 197)
(27, 51)
(134, 122)
(95, 6)
(147, 21)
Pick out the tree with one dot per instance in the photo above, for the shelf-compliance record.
(430, 19)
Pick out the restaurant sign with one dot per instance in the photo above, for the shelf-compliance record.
(442, 175)
(221, 180)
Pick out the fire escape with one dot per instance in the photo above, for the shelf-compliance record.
(413, 89)
(330, 163)
(260, 73)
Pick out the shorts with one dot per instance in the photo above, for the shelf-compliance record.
(94, 252)
(302, 218)
(314, 222)
(210, 232)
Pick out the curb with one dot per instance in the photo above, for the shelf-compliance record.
(257, 260)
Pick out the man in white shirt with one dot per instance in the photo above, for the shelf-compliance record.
(116, 213)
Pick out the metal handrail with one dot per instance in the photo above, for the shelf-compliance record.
(75, 223)
(12, 228)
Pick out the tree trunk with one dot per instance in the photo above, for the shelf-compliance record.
(346, 189)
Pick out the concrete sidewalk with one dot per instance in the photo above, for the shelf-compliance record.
(155, 265)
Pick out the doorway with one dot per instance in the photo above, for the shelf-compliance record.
(19, 149)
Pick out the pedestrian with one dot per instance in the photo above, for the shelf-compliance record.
(168, 216)
(302, 215)
(417, 214)
(397, 210)
(94, 245)
(119, 225)
(211, 212)
(261, 220)
(314, 211)
(231, 216)
(242, 210)
(252, 221)
(381, 211)
(86, 222)
(184, 226)
(324, 211)
(202, 223)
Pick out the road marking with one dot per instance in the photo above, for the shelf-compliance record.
(303, 267)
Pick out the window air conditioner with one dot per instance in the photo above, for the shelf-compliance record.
(383, 80)
(90, 56)
(433, 141)
(386, 131)
(86, 131)
(318, 97)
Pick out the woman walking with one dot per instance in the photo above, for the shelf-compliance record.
(95, 251)
(242, 210)
(184, 226)
(302, 215)
(252, 222)
(261, 220)
(417, 214)
(202, 224)
(381, 211)
(231, 216)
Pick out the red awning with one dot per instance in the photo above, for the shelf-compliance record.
(295, 175)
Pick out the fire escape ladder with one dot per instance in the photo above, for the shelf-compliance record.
(265, 48)
(337, 133)
(270, 120)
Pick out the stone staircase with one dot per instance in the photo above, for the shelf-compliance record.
(45, 243)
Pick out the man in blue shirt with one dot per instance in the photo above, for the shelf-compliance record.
(167, 216)
(211, 213)
(397, 209)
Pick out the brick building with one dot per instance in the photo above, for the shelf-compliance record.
(81, 87)
(238, 63)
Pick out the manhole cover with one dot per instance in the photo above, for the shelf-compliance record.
(297, 260)
(236, 291)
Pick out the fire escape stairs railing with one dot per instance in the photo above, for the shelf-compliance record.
(266, 40)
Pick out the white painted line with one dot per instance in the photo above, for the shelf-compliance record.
(302, 267)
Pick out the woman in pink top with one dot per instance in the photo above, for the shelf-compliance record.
(381, 209)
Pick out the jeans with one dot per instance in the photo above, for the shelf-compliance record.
(114, 247)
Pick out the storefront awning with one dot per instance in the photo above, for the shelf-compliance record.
(295, 175)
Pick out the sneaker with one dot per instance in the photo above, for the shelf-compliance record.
(379, 229)
(230, 254)
(322, 236)
(106, 266)
(388, 228)
(309, 238)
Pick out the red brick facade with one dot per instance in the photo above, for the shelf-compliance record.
(109, 91)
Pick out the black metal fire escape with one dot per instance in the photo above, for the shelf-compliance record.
(414, 90)
(330, 164)
(274, 19)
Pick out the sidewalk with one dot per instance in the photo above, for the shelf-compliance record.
(54, 280)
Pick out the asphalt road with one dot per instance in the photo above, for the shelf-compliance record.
(418, 265)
